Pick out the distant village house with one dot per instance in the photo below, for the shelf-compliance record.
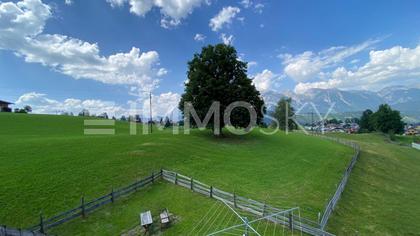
(4, 106)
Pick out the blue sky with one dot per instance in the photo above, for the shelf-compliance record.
(58, 55)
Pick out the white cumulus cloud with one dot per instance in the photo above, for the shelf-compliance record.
(246, 3)
(173, 11)
(259, 8)
(388, 67)
(224, 17)
(199, 37)
(266, 81)
(308, 65)
(165, 104)
(21, 31)
(228, 40)
(40, 103)
(252, 63)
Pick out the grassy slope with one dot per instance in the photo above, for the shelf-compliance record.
(383, 193)
(47, 164)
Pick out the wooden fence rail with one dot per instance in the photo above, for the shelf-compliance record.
(294, 222)
(87, 207)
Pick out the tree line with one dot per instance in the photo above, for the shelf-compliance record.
(385, 120)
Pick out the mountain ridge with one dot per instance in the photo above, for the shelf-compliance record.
(401, 98)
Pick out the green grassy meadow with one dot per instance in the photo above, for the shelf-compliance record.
(382, 196)
(194, 214)
(47, 164)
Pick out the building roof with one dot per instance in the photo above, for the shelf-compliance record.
(4, 102)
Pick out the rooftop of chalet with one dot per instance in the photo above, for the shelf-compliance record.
(5, 103)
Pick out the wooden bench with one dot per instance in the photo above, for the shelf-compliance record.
(165, 219)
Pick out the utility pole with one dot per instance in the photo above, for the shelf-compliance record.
(312, 121)
(151, 117)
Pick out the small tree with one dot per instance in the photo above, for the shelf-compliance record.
(366, 121)
(27, 108)
(167, 122)
(17, 110)
(104, 115)
(123, 118)
(137, 118)
(84, 112)
(387, 120)
(283, 111)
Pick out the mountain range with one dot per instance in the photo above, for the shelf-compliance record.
(351, 103)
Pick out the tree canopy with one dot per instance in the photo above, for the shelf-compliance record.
(387, 120)
(282, 112)
(366, 121)
(383, 120)
(217, 75)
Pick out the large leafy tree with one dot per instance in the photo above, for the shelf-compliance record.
(283, 112)
(387, 120)
(366, 121)
(216, 74)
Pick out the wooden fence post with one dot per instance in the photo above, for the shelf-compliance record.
(161, 173)
(112, 195)
(234, 199)
(153, 177)
(211, 191)
(290, 221)
(176, 178)
(41, 224)
(192, 184)
(82, 206)
(264, 209)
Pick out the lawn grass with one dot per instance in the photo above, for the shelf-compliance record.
(382, 196)
(47, 164)
(193, 214)
(405, 140)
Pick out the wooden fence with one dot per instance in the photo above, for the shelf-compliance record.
(86, 207)
(7, 231)
(337, 195)
(294, 222)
